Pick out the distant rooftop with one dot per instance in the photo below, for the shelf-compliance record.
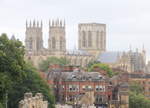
(78, 52)
(109, 57)
(93, 23)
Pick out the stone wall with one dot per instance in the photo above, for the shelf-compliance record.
(33, 102)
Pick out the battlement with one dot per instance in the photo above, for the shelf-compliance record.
(57, 23)
(33, 102)
(34, 24)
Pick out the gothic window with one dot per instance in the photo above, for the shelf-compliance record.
(53, 43)
(38, 43)
(97, 39)
(30, 43)
(83, 39)
(102, 40)
(61, 43)
(75, 61)
(81, 62)
(89, 39)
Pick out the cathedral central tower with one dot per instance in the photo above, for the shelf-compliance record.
(92, 37)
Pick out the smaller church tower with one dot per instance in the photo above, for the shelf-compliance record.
(33, 37)
(57, 38)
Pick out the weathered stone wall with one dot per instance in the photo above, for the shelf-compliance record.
(33, 102)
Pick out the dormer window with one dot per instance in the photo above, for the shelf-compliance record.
(100, 76)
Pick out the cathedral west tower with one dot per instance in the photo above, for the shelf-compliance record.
(33, 39)
(92, 37)
(57, 36)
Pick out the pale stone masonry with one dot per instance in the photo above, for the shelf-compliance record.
(57, 39)
(34, 35)
(92, 37)
(33, 102)
(35, 52)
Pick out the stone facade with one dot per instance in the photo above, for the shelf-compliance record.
(35, 52)
(57, 39)
(92, 37)
(130, 61)
(33, 102)
(34, 35)
(133, 61)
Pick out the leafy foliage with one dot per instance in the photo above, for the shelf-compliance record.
(1, 106)
(104, 67)
(44, 65)
(18, 77)
(136, 98)
(136, 88)
(138, 101)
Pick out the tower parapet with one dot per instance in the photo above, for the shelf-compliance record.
(33, 102)
(57, 23)
(34, 24)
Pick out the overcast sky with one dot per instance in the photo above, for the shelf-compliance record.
(128, 21)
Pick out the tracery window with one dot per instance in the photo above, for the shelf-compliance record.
(53, 43)
(97, 39)
(30, 44)
(102, 39)
(83, 39)
(61, 43)
(89, 39)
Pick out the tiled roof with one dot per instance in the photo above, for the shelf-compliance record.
(139, 75)
(75, 76)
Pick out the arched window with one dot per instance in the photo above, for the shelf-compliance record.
(53, 43)
(89, 39)
(81, 62)
(97, 39)
(83, 39)
(102, 39)
(61, 43)
(30, 44)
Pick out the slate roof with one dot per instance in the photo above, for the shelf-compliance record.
(139, 76)
(84, 76)
(76, 76)
(109, 57)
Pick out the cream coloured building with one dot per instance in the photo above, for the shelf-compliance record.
(33, 102)
(92, 38)
(130, 61)
(57, 42)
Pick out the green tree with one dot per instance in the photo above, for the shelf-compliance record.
(18, 77)
(136, 98)
(136, 88)
(104, 67)
(138, 101)
(44, 65)
(1, 106)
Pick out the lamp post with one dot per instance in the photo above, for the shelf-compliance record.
(6, 99)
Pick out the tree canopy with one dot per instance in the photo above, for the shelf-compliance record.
(44, 65)
(136, 98)
(104, 67)
(18, 77)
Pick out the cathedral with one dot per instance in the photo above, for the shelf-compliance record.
(92, 42)
(91, 46)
